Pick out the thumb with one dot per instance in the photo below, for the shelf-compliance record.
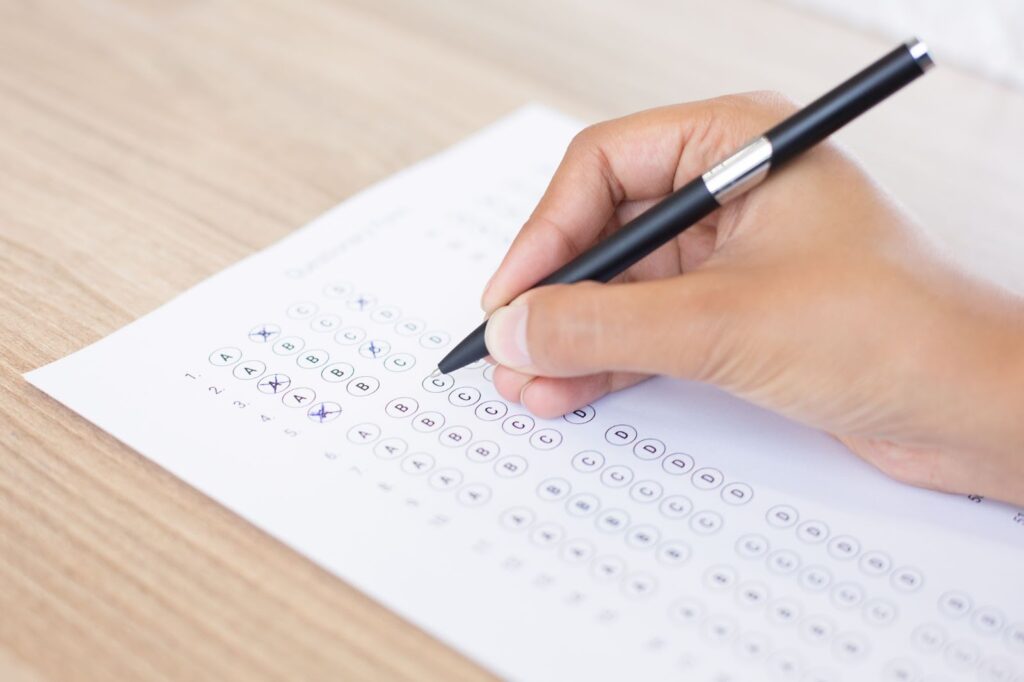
(666, 326)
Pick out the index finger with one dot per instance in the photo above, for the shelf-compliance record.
(636, 157)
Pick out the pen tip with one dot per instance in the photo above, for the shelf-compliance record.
(436, 373)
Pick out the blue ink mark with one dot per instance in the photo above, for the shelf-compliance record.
(275, 382)
(322, 413)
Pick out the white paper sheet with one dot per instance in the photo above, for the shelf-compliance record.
(667, 532)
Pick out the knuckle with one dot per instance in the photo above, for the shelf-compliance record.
(589, 140)
(756, 104)
(734, 119)
(584, 140)
(769, 102)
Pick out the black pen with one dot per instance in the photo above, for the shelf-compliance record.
(726, 180)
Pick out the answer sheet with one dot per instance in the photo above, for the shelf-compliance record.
(668, 532)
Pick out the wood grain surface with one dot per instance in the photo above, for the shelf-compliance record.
(146, 144)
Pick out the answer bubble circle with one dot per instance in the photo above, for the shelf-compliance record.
(323, 412)
(274, 383)
(349, 336)
(226, 356)
(580, 415)
(438, 384)
(264, 332)
(399, 362)
(249, 370)
(362, 386)
(364, 433)
(302, 310)
(337, 371)
(390, 448)
(435, 339)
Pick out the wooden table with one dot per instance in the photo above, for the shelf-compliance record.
(146, 144)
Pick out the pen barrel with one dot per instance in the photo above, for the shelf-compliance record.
(645, 233)
(847, 101)
(642, 235)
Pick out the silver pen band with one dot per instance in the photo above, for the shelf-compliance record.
(740, 172)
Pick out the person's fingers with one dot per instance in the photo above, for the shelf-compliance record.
(636, 158)
(631, 158)
(549, 397)
(510, 383)
(667, 326)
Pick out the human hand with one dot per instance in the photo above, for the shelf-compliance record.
(814, 295)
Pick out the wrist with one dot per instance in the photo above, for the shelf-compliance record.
(997, 413)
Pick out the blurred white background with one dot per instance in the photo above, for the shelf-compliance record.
(985, 36)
